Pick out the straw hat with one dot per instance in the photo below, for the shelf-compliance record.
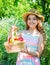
(34, 12)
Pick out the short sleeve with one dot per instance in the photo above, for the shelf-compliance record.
(40, 39)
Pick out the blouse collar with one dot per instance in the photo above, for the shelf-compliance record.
(33, 33)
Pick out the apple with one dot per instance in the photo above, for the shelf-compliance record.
(21, 39)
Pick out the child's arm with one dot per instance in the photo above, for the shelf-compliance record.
(39, 50)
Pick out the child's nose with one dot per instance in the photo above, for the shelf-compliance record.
(31, 20)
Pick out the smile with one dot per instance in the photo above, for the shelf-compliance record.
(33, 23)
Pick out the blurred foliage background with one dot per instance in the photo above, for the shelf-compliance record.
(11, 12)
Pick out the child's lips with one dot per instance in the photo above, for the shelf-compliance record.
(31, 23)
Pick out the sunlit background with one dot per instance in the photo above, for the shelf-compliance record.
(11, 12)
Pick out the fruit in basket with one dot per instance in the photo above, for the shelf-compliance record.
(11, 41)
(16, 38)
(15, 41)
(21, 39)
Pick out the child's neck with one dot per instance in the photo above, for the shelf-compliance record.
(31, 30)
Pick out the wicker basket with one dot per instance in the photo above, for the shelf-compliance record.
(15, 47)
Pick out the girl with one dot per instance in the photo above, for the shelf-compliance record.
(34, 39)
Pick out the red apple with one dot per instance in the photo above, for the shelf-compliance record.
(21, 39)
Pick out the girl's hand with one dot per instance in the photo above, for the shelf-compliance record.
(25, 50)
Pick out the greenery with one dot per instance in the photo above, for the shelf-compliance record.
(11, 12)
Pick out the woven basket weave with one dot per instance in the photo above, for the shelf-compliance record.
(15, 47)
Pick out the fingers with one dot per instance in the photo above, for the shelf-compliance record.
(25, 50)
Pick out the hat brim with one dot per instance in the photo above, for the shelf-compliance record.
(30, 13)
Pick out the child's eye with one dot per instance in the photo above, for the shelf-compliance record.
(34, 18)
(29, 18)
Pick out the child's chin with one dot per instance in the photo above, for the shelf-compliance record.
(31, 26)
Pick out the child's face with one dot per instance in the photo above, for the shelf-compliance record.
(32, 21)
